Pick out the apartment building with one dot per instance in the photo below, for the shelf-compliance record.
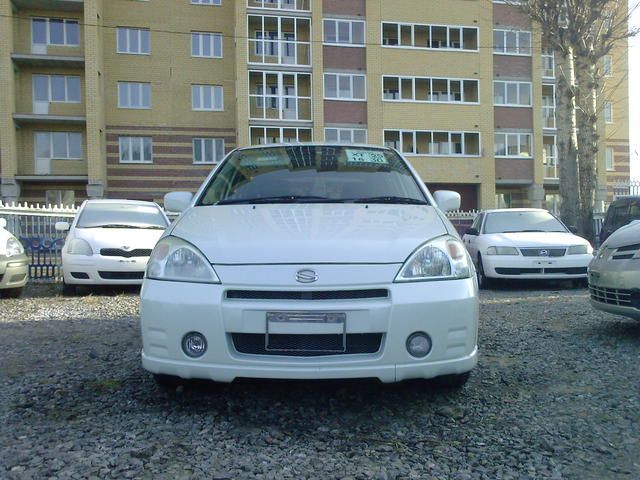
(135, 98)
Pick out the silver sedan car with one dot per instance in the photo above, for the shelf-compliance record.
(614, 273)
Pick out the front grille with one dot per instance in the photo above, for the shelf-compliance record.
(630, 248)
(306, 345)
(307, 295)
(119, 252)
(122, 275)
(611, 296)
(567, 271)
(80, 275)
(543, 252)
(517, 271)
(542, 271)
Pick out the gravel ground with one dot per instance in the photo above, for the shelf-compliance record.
(556, 395)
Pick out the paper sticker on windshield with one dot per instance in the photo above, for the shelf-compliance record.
(366, 156)
(261, 161)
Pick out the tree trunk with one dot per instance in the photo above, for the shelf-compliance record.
(567, 140)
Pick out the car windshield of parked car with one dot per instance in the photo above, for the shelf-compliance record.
(511, 222)
(313, 174)
(120, 215)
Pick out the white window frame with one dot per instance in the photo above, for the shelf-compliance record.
(141, 140)
(430, 27)
(125, 49)
(49, 78)
(610, 159)
(519, 143)
(519, 88)
(280, 129)
(343, 132)
(129, 87)
(550, 56)
(349, 42)
(69, 136)
(217, 148)
(48, 21)
(550, 161)
(214, 89)
(504, 50)
(607, 65)
(351, 77)
(450, 143)
(401, 99)
(214, 39)
(279, 96)
(277, 5)
(608, 112)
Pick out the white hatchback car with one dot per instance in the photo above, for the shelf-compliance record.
(109, 242)
(312, 261)
(525, 243)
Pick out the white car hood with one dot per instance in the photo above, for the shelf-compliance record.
(131, 238)
(624, 236)
(535, 239)
(309, 233)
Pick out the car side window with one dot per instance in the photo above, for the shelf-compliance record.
(620, 216)
(634, 212)
(477, 223)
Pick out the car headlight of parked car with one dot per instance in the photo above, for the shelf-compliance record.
(444, 258)
(579, 250)
(175, 260)
(502, 251)
(14, 247)
(79, 246)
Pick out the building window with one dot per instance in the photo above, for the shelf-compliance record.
(56, 88)
(344, 32)
(136, 150)
(512, 94)
(133, 41)
(267, 135)
(55, 31)
(550, 157)
(208, 150)
(345, 135)
(513, 145)
(206, 2)
(58, 145)
(279, 96)
(512, 42)
(207, 98)
(548, 63)
(344, 86)
(503, 200)
(208, 45)
(134, 95)
(412, 35)
(609, 159)
(608, 112)
(60, 198)
(430, 90)
(607, 69)
(434, 143)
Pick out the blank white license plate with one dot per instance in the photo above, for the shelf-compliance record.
(332, 324)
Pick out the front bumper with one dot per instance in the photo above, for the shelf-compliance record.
(614, 286)
(536, 268)
(447, 311)
(14, 271)
(90, 270)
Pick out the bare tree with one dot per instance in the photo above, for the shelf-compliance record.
(582, 33)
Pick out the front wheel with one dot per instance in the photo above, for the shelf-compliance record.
(483, 280)
(13, 292)
(453, 382)
(68, 290)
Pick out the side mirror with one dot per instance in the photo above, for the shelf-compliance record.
(447, 200)
(177, 201)
(62, 226)
(472, 231)
(3, 222)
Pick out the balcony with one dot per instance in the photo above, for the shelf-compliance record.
(279, 96)
(292, 5)
(41, 119)
(549, 106)
(45, 60)
(279, 41)
(550, 158)
(55, 5)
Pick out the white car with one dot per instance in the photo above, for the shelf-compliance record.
(14, 264)
(109, 242)
(311, 261)
(525, 243)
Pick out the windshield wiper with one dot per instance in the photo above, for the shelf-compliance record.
(122, 225)
(391, 199)
(278, 199)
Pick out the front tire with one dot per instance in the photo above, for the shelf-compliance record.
(483, 281)
(13, 292)
(68, 290)
(453, 382)
(167, 382)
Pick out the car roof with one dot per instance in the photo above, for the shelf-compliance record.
(503, 210)
(626, 199)
(316, 144)
(118, 201)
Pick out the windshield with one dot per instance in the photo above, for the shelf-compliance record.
(313, 174)
(121, 215)
(533, 221)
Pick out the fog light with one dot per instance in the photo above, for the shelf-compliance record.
(419, 344)
(194, 344)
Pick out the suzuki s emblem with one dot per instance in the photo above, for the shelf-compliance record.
(306, 276)
(126, 247)
(544, 253)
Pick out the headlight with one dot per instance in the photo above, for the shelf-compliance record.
(78, 246)
(502, 251)
(14, 247)
(441, 259)
(179, 261)
(579, 250)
